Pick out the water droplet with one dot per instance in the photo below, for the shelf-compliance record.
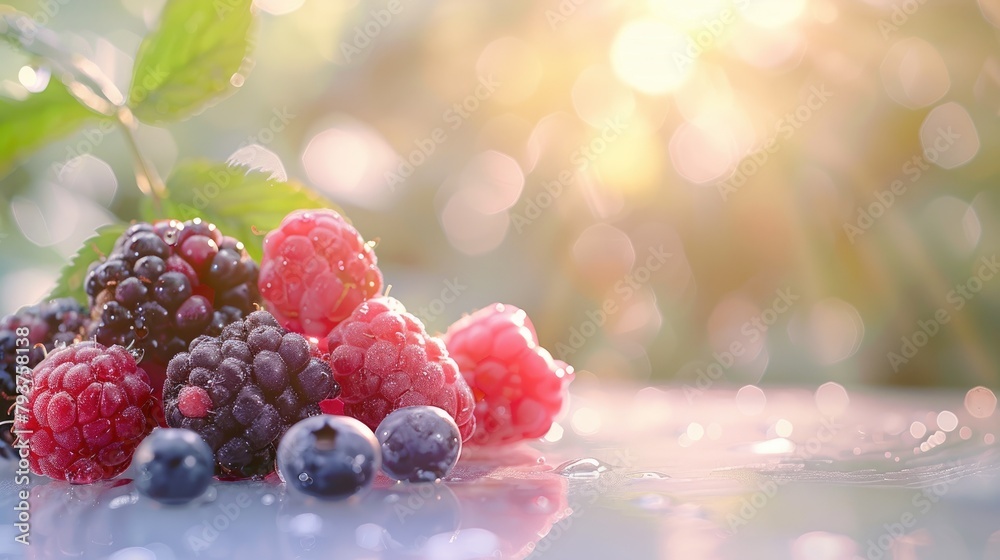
(542, 505)
(267, 499)
(651, 475)
(651, 502)
(586, 468)
(210, 495)
(391, 498)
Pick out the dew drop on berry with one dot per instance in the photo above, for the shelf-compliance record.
(170, 236)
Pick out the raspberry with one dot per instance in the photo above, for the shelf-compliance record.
(241, 391)
(519, 388)
(86, 413)
(165, 284)
(316, 269)
(44, 326)
(385, 360)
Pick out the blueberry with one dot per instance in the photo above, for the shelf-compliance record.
(174, 465)
(331, 457)
(419, 443)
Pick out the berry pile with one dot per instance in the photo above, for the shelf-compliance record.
(241, 391)
(165, 284)
(384, 360)
(35, 329)
(519, 388)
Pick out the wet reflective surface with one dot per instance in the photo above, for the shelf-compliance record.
(652, 473)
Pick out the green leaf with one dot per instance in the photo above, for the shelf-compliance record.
(29, 124)
(192, 58)
(242, 202)
(74, 275)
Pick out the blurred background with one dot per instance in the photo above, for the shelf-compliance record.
(747, 191)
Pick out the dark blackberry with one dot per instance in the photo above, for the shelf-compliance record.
(166, 283)
(46, 325)
(241, 391)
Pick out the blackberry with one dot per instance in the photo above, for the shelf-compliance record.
(241, 391)
(44, 326)
(165, 284)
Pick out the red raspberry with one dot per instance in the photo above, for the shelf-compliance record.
(519, 388)
(385, 360)
(316, 269)
(86, 413)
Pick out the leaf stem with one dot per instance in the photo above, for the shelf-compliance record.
(146, 177)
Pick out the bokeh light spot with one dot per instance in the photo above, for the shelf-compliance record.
(651, 56)
(980, 402)
(832, 399)
(948, 136)
(914, 74)
(750, 400)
